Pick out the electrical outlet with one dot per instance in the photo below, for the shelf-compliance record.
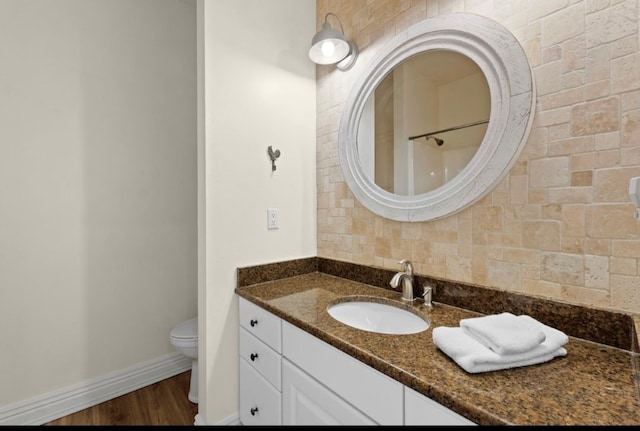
(272, 218)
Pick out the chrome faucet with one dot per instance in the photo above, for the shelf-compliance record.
(404, 277)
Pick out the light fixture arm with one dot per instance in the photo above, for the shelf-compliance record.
(336, 17)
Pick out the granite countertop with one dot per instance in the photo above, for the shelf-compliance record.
(595, 384)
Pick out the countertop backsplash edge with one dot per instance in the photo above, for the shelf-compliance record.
(600, 326)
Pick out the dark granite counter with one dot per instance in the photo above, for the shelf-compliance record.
(595, 384)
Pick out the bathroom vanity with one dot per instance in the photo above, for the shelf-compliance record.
(289, 377)
(298, 365)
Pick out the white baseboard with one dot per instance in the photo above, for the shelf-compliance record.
(229, 421)
(54, 405)
(198, 421)
(232, 420)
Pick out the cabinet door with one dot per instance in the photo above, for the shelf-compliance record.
(260, 403)
(306, 402)
(420, 410)
(376, 395)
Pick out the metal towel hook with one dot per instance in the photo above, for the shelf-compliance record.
(273, 155)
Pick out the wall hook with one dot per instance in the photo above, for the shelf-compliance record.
(273, 155)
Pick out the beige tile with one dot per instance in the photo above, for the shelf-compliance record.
(518, 189)
(625, 248)
(571, 145)
(598, 63)
(574, 51)
(504, 275)
(541, 288)
(542, 235)
(561, 99)
(625, 73)
(596, 272)
(612, 185)
(607, 141)
(623, 266)
(563, 25)
(551, 211)
(488, 218)
(570, 195)
(530, 257)
(610, 221)
(625, 46)
(631, 129)
(595, 160)
(549, 172)
(582, 295)
(581, 178)
(625, 294)
(599, 116)
(598, 246)
(573, 218)
(562, 268)
(572, 244)
(458, 268)
(597, 90)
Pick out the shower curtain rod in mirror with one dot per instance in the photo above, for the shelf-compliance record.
(450, 129)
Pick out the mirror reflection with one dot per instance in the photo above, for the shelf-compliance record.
(424, 122)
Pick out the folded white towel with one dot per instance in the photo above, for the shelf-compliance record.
(505, 333)
(475, 357)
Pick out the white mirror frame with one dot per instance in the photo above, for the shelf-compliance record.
(511, 85)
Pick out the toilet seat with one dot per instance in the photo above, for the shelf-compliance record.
(185, 331)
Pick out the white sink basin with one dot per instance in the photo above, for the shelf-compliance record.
(376, 317)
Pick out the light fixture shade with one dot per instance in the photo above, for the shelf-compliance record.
(348, 62)
(328, 46)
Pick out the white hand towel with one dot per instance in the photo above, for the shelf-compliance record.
(475, 357)
(505, 333)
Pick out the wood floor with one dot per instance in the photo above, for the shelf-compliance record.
(163, 403)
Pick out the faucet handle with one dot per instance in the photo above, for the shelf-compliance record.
(406, 266)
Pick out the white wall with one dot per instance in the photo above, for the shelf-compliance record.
(97, 187)
(259, 90)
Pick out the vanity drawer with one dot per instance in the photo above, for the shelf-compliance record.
(261, 323)
(261, 357)
(260, 403)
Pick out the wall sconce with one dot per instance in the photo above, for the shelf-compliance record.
(329, 46)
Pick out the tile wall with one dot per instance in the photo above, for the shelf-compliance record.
(560, 225)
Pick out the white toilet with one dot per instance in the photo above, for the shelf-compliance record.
(184, 338)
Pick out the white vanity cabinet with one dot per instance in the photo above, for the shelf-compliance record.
(421, 410)
(290, 377)
(260, 366)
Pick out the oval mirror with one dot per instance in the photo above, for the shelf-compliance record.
(424, 122)
(437, 118)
